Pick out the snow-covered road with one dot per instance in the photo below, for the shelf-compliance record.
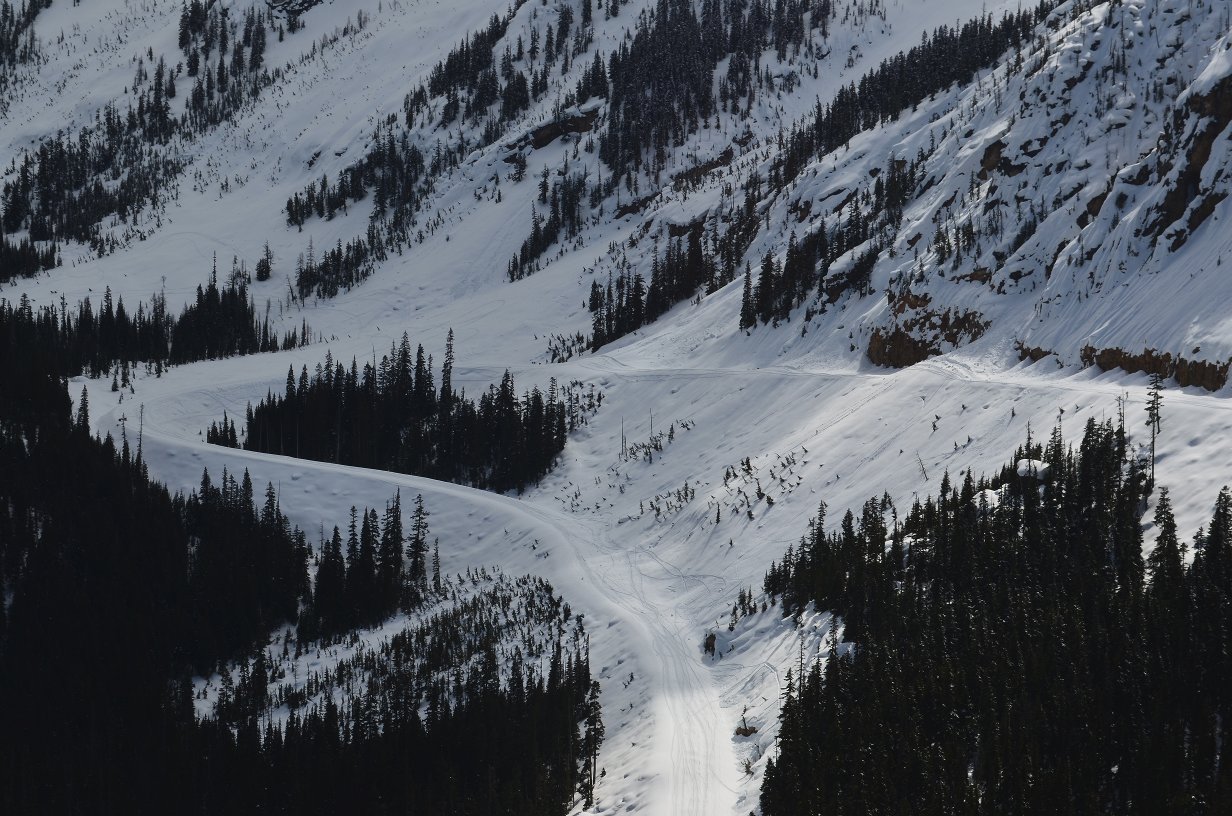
(653, 585)
(765, 424)
(673, 756)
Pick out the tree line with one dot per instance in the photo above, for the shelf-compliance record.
(17, 41)
(339, 268)
(391, 415)
(563, 202)
(447, 715)
(627, 303)
(58, 192)
(116, 593)
(947, 56)
(25, 259)
(643, 126)
(221, 321)
(1006, 648)
(657, 96)
(859, 233)
(121, 163)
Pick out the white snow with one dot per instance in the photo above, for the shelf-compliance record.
(816, 421)
(651, 590)
(1032, 468)
(988, 498)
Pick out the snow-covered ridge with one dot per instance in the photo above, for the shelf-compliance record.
(1064, 197)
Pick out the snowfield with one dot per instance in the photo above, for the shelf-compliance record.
(652, 549)
(651, 590)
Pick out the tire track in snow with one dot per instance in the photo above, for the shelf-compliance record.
(688, 741)
(687, 755)
(688, 765)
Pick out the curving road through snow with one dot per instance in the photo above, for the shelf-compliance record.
(652, 587)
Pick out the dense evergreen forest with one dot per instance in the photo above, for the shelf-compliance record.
(627, 303)
(116, 592)
(25, 259)
(220, 322)
(1005, 648)
(17, 41)
(429, 721)
(94, 185)
(392, 416)
(339, 268)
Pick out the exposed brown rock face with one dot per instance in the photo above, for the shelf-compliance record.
(1032, 353)
(1215, 108)
(544, 135)
(898, 349)
(990, 159)
(1209, 375)
(994, 159)
(635, 206)
(899, 304)
(920, 336)
(694, 175)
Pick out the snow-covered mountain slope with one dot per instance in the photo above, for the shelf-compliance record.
(335, 81)
(1071, 197)
(1010, 226)
(1069, 201)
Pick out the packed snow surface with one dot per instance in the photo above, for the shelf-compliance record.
(651, 588)
(653, 566)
